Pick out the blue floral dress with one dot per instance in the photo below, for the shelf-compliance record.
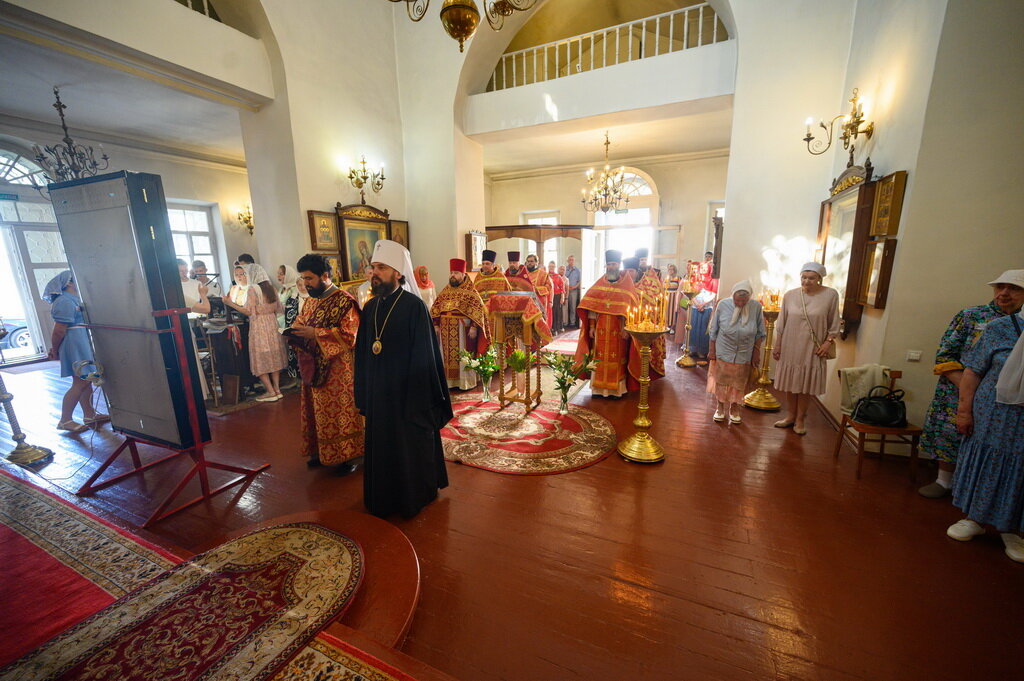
(989, 482)
(940, 438)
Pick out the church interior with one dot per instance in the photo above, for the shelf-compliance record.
(611, 502)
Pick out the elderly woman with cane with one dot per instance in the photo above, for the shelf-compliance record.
(736, 332)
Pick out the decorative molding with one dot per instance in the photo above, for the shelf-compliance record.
(144, 147)
(32, 28)
(635, 161)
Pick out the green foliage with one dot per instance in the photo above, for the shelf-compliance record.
(484, 365)
(565, 369)
(520, 361)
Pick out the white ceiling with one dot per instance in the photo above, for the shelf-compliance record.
(106, 100)
(689, 127)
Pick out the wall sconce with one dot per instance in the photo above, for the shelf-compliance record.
(360, 177)
(852, 126)
(245, 218)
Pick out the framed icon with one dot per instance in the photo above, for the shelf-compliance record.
(323, 231)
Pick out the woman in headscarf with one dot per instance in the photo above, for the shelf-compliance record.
(427, 291)
(736, 332)
(286, 290)
(700, 316)
(941, 438)
(70, 343)
(806, 332)
(989, 482)
(267, 354)
(672, 282)
(293, 307)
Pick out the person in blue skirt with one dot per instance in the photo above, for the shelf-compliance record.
(989, 482)
(70, 343)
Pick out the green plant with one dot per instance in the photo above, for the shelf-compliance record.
(565, 369)
(520, 361)
(484, 365)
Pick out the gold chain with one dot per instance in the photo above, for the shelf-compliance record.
(377, 345)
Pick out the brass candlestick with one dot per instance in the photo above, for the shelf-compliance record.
(22, 454)
(761, 398)
(640, 447)
(685, 361)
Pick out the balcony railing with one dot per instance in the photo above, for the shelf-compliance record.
(682, 29)
(201, 6)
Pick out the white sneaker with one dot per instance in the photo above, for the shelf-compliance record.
(964, 530)
(1014, 547)
(719, 415)
(735, 418)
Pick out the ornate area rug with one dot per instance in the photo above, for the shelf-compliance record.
(542, 442)
(239, 611)
(330, 659)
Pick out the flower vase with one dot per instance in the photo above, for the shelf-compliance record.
(486, 382)
(563, 406)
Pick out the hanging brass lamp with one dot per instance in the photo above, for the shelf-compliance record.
(460, 19)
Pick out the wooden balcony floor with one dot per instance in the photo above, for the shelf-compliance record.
(749, 554)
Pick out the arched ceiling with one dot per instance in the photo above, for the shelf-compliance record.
(559, 19)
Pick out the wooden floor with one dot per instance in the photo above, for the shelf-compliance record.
(749, 554)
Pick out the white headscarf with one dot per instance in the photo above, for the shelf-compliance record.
(396, 256)
(239, 293)
(255, 273)
(814, 267)
(741, 314)
(56, 286)
(1010, 385)
(290, 275)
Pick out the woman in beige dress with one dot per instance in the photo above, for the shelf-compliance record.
(807, 329)
(267, 352)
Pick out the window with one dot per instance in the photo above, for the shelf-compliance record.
(550, 252)
(540, 218)
(17, 169)
(629, 216)
(634, 185)
(193, 238)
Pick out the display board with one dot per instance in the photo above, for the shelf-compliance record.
(117, 238)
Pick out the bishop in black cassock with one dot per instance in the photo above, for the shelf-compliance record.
(400, 388)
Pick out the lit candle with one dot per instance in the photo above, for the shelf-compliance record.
(809, 121)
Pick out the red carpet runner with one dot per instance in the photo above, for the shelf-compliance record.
(61, 565)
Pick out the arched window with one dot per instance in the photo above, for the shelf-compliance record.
(18, 169)
(634, 185)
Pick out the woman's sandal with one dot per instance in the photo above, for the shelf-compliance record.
(784, 423)
(72, 426)
(98, 418)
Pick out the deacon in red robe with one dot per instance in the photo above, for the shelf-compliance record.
(324, 337)
(518, 277)
(603, 313)
(538, 276)
(460, 316)
(491, 278)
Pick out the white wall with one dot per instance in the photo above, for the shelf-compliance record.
(791, 65)
(683, 76)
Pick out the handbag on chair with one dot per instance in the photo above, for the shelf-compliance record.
(882, 407)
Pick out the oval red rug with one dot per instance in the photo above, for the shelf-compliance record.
(508, 440)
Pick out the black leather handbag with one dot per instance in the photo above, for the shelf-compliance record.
(882, 407)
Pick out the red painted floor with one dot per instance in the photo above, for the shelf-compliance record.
(750, 553)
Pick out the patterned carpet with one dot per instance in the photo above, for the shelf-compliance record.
(542, 442)
(69, 564)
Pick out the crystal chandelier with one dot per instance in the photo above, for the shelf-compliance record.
(461, 17)
(68, 161)
(605, 192)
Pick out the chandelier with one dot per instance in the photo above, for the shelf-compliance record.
(605, 192)
(461, 17)
(68, 161)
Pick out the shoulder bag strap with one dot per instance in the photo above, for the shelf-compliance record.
(803, 304)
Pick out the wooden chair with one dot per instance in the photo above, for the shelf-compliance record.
(858, 435)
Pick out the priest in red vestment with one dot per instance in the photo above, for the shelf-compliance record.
(538, 276)
(518, 277)
(602, 313)
(460, 316)
(491, 278)
(324, 337)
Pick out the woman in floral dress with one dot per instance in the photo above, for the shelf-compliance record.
(989, 482)
(940, 438)
(267, 354)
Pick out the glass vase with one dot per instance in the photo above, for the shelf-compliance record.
(486, 383)
(563, 405)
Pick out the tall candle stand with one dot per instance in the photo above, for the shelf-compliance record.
(22, 454)
(761, 398)
(685, 361)
(644, 324)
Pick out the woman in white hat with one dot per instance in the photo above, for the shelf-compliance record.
(989, 482)
(736, 332)
(941, 438)
(806, 333)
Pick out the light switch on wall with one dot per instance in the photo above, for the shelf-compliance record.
(913, 355)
